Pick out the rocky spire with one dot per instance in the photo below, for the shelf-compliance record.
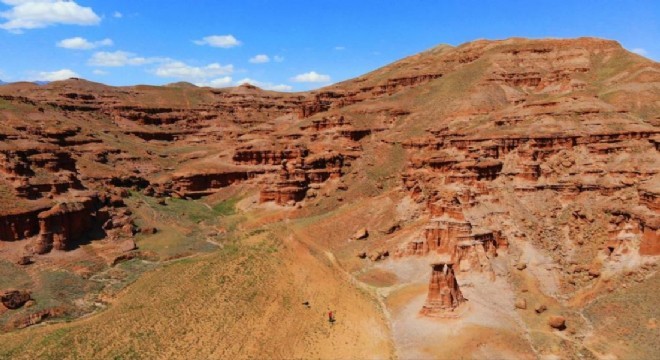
(444, 295)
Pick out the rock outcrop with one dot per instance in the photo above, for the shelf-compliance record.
(14, 299)
(444, 295)
(488, 155)
(65, 223)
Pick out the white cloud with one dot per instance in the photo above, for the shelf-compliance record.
(260, 59)
(34, 14)
(56, 75)
(180, 70)
(280, 87)
(117, 15)
(119, 58)
(217, 83)
(640, 51)
(265, 85)
(311, 77)
(278, 58)
(340, 48)
(99, 72)
(82, 43)
(223, 41)
(208, 75)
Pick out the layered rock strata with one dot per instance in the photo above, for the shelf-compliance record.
(444, 295)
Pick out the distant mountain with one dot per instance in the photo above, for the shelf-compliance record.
(34, 82)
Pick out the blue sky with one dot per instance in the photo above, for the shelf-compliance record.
(282, 45)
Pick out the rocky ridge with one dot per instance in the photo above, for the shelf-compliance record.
(508, 149)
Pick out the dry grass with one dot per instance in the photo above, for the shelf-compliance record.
(238, 302)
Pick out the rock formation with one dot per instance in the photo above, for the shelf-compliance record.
(479, 153)
(14, 299)
(444, 294)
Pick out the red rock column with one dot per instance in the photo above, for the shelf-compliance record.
(444, 295)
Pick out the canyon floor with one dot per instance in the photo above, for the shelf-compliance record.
(494, 200)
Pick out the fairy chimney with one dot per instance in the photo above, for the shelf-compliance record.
(444, 295)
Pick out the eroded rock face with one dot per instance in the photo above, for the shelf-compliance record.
(546, 145)
(65, 223)
(202, 184)
(20, 225)
(38, 317)
(444, 294)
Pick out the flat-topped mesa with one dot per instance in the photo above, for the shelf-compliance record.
(24, 162)
(321, 167)
(649, 196)
(469, 249)
(66, 223)
(441, 234)
(444, 295)
(295, 176)
(450, 234)
(439, 237)
(197, 185)
(631, 236)
(325, 123)
(267, 156)
(20, 225)
(650, 244)
(472, 252)
(290, 188)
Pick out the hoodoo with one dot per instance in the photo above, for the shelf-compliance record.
(444, 295)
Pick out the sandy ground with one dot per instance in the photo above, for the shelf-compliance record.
(489, 310)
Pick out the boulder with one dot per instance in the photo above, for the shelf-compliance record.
(116, 201)
(361, 234)
(557, 322)
(390, 229)
(127, 245)
(521, 304)
(379, 255)
(539, 308)
(521, 266)
(14, 299)
(24, 260)
(148, 230)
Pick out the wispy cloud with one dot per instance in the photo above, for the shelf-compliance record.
(117, 15)
(181, 70)
(34, 14)
(221, 41)
(217, 83)
(99, 72)
(120, 58)
(56, 75)
(278, 58)
(207, 75)
(265, 85)
(80, 43)
(311, 77)
(260, 59)
(340, 48)
(640, 51)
